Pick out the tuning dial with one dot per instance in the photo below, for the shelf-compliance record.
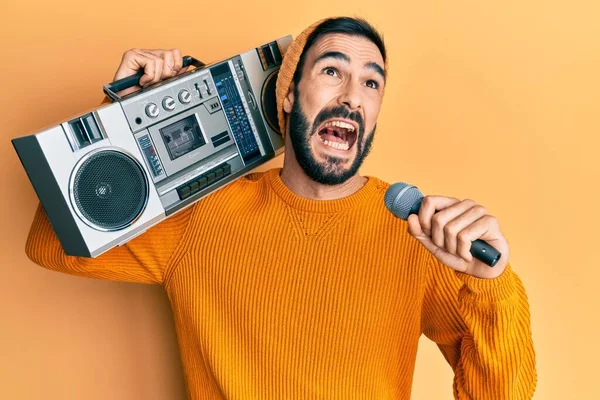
(168, 103)
(184, 96)
(152, 110)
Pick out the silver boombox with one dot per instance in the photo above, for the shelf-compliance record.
(109, 175)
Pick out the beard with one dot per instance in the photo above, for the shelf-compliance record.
(331, 171)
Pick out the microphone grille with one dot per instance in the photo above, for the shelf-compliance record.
(400, 197)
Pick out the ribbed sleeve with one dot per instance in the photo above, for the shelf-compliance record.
(143, 259)
(482, 326)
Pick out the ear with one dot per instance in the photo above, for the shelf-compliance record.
(288, 101)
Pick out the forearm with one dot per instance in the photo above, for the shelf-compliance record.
(482, 326)
(143, 259)
(44, 248)
(496, 357)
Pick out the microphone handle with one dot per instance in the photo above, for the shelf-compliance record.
(480, 249)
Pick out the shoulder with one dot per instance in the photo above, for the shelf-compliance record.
(379, 183)
(245, 185)
(240, 191)
(380, 186)
(383, 219)
(254, 177)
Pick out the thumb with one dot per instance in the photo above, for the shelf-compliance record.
(414, 227)
(182, 70)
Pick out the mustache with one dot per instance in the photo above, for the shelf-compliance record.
(340, 112)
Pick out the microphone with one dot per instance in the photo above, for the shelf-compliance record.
(403, 199)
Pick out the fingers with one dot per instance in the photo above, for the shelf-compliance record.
(429, 206)
(173, 62)
(414, 228)
(157, 65)
(441, 219)
(447, 228)
(153, 69)
(481, 228)
(168, 62)
(178, 61)
(450, 223)
(453, 231)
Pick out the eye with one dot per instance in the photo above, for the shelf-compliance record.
(372, 84)
(331, 71)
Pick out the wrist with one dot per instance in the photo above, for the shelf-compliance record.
(489, 289)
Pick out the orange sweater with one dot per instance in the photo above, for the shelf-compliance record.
(278, 297)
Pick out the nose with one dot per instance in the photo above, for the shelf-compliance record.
(351, 96)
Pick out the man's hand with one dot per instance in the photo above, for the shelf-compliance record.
(157, 65)
(448, 234)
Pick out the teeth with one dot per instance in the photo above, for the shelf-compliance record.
(336, 145)
(340, 124)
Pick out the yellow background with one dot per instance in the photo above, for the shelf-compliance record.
(497, 101)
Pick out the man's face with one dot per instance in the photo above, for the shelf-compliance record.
(334, 109)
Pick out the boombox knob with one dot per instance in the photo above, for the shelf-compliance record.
(168, 103)
(152, 110)
(184, 96)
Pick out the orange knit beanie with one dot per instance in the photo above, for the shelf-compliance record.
(288, 69)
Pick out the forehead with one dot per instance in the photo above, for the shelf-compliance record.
(357, 48)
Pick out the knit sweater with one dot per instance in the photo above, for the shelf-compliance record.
(276, 296)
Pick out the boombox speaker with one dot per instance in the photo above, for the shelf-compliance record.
(109, 189)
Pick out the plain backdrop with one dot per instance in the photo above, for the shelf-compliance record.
(497, 101)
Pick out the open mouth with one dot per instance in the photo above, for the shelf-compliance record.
(338, 134)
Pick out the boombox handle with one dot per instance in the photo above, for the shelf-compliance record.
(111, 89)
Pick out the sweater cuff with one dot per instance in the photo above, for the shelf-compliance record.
(488, 290)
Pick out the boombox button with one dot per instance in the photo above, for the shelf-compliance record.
(184, 191)
(152, 110)
(210, 177)
(168, 103)
(202, 182)
(194, 186)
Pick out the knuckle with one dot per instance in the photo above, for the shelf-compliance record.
(491, 220)
(481, 209)
(437, 219)
(462, 237)
(427, 202)
(450, 230)
(128, 54)
(469, 202)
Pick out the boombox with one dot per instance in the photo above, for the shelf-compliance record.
(108, 175)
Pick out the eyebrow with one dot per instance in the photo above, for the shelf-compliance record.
(343, 57)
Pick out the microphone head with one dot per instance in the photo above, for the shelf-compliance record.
(400, 197)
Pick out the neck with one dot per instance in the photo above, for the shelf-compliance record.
(294, 177)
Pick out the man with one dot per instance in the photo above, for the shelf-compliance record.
(298, 283)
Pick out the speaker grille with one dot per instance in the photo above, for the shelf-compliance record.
(110, 190)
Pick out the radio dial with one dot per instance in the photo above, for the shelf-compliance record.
(185, 97)
(168, 103)
(152, 110)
